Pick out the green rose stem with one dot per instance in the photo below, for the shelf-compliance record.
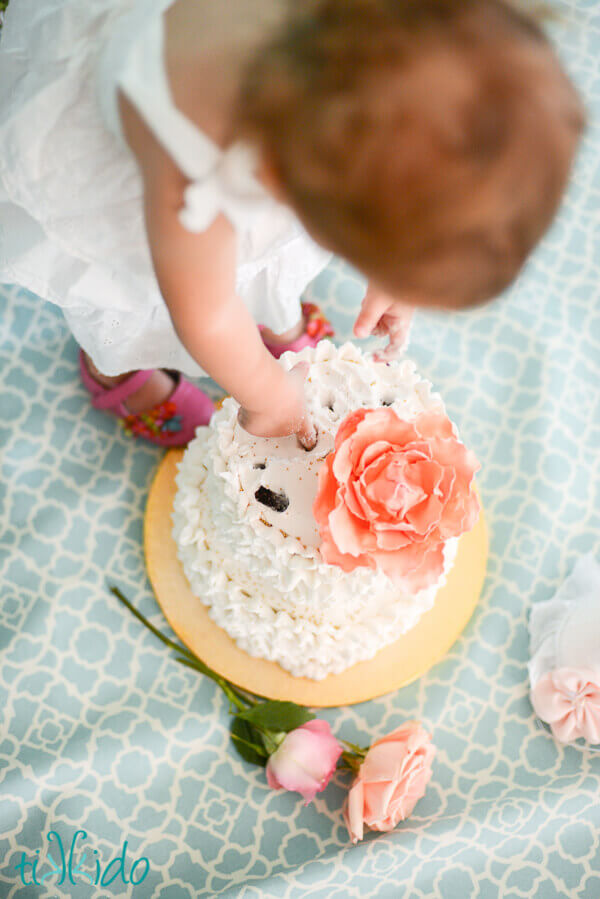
(353, 759)
(269, 722)
(240, 700)
(227, 689)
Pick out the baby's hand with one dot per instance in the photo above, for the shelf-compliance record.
(288, 414)
(384, 316)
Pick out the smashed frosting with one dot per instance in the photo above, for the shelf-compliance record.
(258, 569)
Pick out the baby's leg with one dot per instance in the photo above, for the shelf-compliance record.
(156, 390)
(287, 336)
(311, 328)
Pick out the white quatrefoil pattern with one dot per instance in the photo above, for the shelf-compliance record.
(100, 730)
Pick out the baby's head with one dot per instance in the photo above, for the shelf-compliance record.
(427, 141)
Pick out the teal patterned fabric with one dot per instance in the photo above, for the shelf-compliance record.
(102, 731)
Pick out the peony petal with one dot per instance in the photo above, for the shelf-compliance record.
(326, 493)
(459, 515)
(446, 489)
(342, 462)
(395, 538)
(380, 424)
(401, 564)
(369, 511)
(363, 439)
(371, 508)
(354, 501)
(454, 455)
(429, 571)
(332, 556)
(425, 516)
(350, 534)
(427, 474)
(434, 424)
(372, 453)
(423, 575)
(398, 431)
(348, 426)
(395, 493)
(344, 442)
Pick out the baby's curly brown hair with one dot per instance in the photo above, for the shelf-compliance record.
(428, 142)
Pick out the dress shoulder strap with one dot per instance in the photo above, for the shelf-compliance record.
(220, 180)
(136, 66)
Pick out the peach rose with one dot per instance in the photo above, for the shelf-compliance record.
(392, 492)
(390, 781)
(568, 699)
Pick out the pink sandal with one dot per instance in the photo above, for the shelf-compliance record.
(172, 423)
(317, 327)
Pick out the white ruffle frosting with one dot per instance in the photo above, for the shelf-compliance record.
(565, 630)
(259, 571)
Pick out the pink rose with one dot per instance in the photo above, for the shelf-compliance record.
(305, 760)
(569, 700)
(391, 780)
(392, 492)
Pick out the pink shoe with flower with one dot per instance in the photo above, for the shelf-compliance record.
(170, 423)
(316, 328)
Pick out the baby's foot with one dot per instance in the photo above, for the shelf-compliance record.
(156, 390)
(312, 327)
(164, 410)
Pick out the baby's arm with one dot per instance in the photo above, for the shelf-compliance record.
(196, 274)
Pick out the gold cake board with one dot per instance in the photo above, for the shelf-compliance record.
(393, 667)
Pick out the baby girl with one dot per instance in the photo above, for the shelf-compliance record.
(174, 173)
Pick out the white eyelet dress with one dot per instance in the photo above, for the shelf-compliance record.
(71, 216)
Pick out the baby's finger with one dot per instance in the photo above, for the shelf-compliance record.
(371, 311)
(392, 351)
(307, 434)
(398, 330)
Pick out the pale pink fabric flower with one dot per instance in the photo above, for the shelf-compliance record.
(568, 699)
(305, 760)
(393, 492)
(391, 780)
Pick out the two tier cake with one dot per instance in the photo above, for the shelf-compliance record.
(316, 560)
